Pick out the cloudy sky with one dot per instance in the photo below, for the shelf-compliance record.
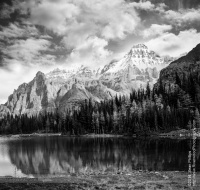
(46, 34)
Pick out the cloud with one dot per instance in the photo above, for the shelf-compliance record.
(115, 30)
(15, 30)
(174, 45)
(29, 51)
(183, 17)
(91, 51)
(24, 43)
(156, 30)
(79, 22)
(5, 11)
(161, 13)
(65, 17)
(148, 6)
(54, 15)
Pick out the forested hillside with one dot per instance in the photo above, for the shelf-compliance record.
(143, 112)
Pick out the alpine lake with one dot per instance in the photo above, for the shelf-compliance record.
(61, 156)
(57, 155)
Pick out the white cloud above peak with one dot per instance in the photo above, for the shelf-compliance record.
(92, 52)
(175, 45)
(148, 6)
(156, 30)
(183, 17)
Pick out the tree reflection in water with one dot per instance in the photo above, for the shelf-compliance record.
(61, 155)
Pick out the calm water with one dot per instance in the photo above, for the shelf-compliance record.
(61, 155)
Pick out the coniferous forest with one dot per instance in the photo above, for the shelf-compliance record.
(144, 111)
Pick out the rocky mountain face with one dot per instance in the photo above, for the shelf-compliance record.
(37, 95)
(181, 68)
(64, 89)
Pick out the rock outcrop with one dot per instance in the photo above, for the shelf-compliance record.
(36, 96)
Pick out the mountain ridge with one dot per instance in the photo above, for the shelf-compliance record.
(182, 66)
(57, 88)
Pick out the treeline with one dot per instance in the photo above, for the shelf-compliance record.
(145, 111)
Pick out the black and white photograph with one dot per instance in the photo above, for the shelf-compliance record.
(99, 94)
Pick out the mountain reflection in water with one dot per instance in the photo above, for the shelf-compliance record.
(61, 155)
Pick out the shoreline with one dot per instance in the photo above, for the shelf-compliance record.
(61, 135)
(107, 180)
(178, 134)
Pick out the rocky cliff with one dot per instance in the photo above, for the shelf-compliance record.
(37, 95)
(66, 89)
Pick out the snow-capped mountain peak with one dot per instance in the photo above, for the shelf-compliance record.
(140, 47)
(141, 51)
(139, 56)
(138, 61)
(63, 88)
(139, 66)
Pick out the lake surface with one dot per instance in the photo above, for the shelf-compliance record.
(39, 156)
